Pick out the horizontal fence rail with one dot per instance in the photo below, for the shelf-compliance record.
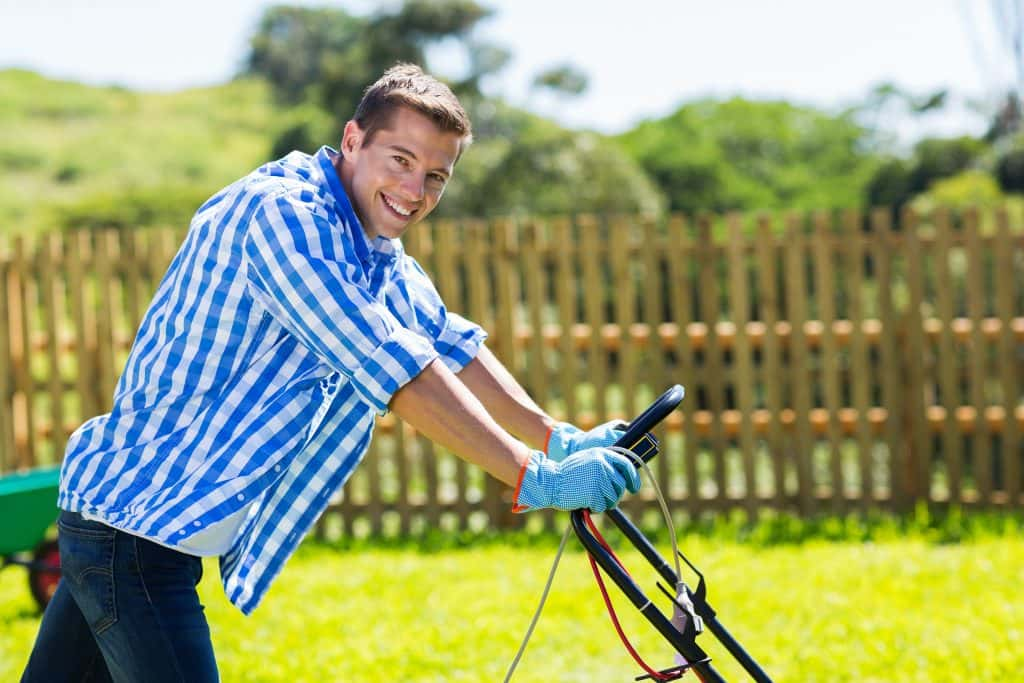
(832, 360)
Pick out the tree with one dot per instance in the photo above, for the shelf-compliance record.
(886, 106)
(742, 154)
(328, 56)
(524, 164)
(937, 158)
(897, 181)
(889, 186)
(320, 60)
(1010, 170)
(294, 48)
(564, 80)
(325, 57)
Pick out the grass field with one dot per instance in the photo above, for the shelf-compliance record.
(898, 609)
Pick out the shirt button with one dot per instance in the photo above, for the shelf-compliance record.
(277, 468)
(182, 532)
(241, 496)
(197, 523)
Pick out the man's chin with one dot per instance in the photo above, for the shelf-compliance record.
(393, 231)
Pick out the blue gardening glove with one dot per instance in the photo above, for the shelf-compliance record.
(567, 439)
(594, 478)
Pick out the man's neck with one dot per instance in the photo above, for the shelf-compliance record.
(338, 161)
(345, 176)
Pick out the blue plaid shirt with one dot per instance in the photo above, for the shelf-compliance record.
(276, 334)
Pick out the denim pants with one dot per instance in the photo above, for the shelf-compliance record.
(126, 609)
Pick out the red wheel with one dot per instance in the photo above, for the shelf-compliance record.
(44, 576)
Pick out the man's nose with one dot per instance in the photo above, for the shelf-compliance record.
(413, 186)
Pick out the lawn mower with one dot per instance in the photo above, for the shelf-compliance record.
(691, 613)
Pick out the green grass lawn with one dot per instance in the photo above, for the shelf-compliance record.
(890, 611)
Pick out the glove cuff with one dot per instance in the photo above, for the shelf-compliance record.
(530, 493)
(547, 437)
(559, 440)
(516, 505)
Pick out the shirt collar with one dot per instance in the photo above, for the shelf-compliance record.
(380, 247)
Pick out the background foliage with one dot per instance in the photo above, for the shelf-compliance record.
(74, 155)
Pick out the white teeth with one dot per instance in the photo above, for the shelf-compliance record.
(398, 209)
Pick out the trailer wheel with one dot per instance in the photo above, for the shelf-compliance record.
(44, 575)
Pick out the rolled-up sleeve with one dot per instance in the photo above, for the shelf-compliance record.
(412, 296)
(304, 272)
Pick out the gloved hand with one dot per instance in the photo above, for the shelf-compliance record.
(593, 478)
(567, 439)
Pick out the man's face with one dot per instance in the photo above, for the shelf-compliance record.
(399, 177)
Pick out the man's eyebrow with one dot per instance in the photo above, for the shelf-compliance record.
(405, 151)
(409, 153)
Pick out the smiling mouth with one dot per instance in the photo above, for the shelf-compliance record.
(398, 209)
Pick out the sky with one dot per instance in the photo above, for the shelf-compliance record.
(643, 58)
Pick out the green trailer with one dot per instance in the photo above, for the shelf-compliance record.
(28, 508)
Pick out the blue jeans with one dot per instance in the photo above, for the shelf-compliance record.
(126, 609)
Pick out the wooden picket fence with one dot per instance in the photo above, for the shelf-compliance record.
(832, 360)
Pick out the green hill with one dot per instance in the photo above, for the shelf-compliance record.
(73, 154)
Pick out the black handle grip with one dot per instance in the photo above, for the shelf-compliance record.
(649, 419)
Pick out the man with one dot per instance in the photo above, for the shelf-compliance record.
(289, 316)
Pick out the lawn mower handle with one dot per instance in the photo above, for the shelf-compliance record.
(638, 429)
(638, 439)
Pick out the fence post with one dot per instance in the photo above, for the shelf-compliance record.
(981, 439)
(50, 256)
(507, 298)
(1007, 284)
(105, 248)
(828, 353)
(890, 368)
(7, 448)
(565, 294)
(593, 306)
(743, 377)
(713, 373)
(535, 264)
(535, 281)
(506, 291)
(680, 252)
(653, 250)
(769, 313)
(479, 266)
(914, 349)
(861, 376)
(21, 357)
(949, 391)
(799, 373)
(447, 253)
(83, 318)
(621, 250)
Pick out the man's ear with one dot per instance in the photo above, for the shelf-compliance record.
(351, 139)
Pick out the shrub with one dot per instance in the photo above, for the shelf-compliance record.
(133, 208)
(1010, 171)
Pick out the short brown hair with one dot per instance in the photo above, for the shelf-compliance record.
(406, 85)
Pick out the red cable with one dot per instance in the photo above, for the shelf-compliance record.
(604, 543)
(656, 675)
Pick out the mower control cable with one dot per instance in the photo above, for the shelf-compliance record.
(558, 555)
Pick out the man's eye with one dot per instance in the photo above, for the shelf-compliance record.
(438, 178)
(402, 161)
